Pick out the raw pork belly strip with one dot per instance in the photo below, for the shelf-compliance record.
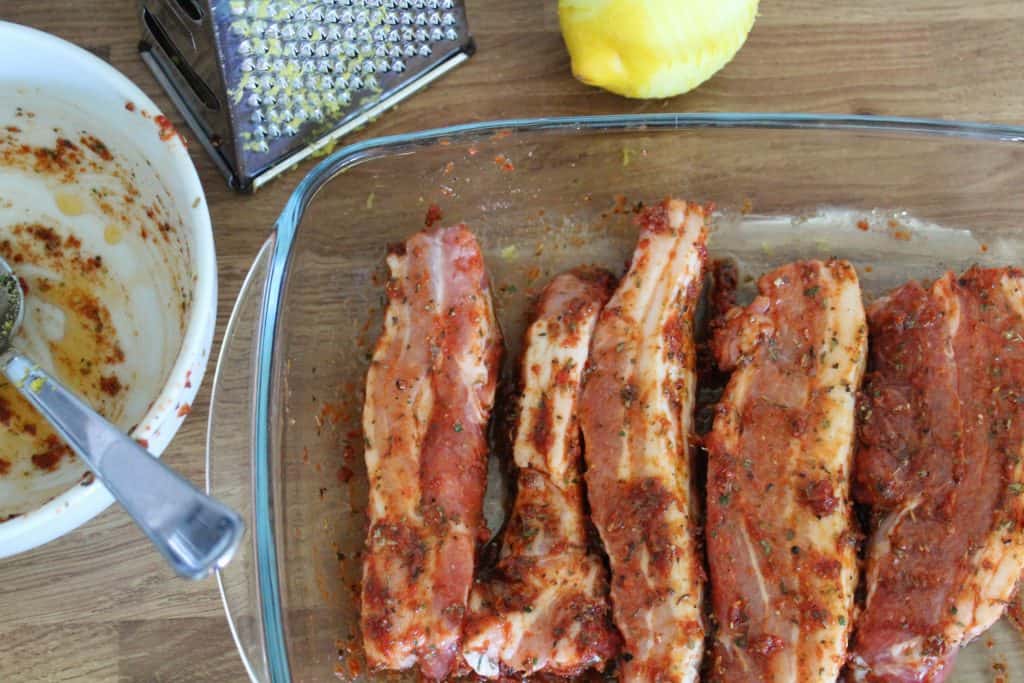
(429, 392)
(939, 463)
(780, 533)
(545, 606)
(636, 414)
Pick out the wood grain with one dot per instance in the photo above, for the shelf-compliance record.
(98, 605)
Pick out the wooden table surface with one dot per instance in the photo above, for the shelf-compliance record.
(99, 605)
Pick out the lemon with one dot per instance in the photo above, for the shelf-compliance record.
(653, 48)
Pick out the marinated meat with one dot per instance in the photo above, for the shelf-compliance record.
(636, 414)
(429, 393)
(545, 606)
(939, 463)
(781, 537)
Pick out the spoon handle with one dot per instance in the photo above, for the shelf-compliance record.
(195, 533)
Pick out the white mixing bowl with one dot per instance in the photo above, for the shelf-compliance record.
(103, 217)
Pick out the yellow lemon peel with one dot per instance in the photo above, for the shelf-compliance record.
(653, 48)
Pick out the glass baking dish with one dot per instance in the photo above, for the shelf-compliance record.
(901, 198)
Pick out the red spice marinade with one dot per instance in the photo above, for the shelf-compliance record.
(939, 464)
(429, 393)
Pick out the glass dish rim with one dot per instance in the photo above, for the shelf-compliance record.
(287, 223)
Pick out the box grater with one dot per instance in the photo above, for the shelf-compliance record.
(264, 84)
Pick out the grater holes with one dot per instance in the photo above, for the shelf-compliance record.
(326, 55)
(252, 10)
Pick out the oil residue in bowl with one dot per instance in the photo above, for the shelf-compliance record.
(68, 327)
(95, 235)
(69, 203)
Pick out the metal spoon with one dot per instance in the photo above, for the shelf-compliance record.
(195, 533)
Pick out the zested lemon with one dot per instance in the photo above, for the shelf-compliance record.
(653, 48)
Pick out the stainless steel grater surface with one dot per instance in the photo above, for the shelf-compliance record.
(264, 84)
